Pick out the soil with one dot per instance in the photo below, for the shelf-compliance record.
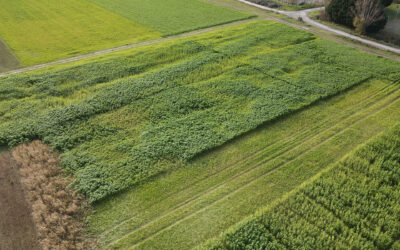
(7, 60)
(17, 231)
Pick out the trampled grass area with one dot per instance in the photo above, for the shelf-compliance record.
(353, 205)
(44, 30)
(218, 189)
(122, 121)
(172, 16)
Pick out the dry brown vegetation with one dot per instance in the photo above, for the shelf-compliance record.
(56, 209)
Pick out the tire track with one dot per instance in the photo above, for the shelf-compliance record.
(285, 145)
(285, 162)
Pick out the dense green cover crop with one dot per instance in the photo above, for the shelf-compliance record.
(354, 205)
(123, 120)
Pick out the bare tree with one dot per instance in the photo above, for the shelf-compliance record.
(367, 13)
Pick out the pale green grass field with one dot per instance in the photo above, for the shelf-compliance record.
(45, 30)
(172, 16)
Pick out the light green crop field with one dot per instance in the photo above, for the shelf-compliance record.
(200, 132)
(44, 30)
(172, 16)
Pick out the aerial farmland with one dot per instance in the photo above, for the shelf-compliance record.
(196, 124)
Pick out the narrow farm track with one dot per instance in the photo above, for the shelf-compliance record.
(227, 187)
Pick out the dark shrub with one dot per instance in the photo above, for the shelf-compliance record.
(339, 11)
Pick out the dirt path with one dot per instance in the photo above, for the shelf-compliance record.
(7, 60)
(16, 227)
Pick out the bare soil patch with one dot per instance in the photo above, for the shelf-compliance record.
(17, 230)
(57, 211)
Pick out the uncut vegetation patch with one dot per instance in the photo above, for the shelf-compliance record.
(118, 126)
(173, 16)
(353, 205)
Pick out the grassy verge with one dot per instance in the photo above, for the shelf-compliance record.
(218, 189)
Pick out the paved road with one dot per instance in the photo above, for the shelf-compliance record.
(304, 15)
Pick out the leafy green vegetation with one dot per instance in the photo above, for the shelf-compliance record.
(204, 197)
(353, 205)
(172, 16)
(121, 121)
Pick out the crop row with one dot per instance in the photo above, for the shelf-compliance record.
(353, 205)
(121, 121)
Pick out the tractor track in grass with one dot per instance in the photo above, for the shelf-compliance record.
(258, 165)
(286, 145)
(259, 177)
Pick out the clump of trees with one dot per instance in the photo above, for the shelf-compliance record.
(366, 16)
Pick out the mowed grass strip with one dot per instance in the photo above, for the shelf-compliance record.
(173, 16)
(122, 121)
(220, 188)
(355, 204)
(44, 30)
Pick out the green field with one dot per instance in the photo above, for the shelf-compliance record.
(218, 189)
(203, 131)
(172, 16)
(44, 30)
(353, 205)
(120, 122)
